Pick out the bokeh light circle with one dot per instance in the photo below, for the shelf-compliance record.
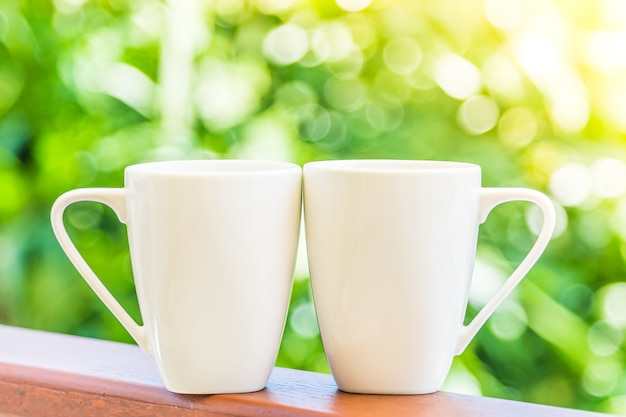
(478, 114)
(286, 44)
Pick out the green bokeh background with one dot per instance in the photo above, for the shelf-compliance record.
(532, 90)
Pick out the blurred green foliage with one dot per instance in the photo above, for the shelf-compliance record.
(532, 90)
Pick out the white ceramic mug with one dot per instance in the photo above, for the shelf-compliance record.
(391, 247)
(213, 246)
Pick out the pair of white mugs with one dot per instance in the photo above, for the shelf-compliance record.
(391, 247)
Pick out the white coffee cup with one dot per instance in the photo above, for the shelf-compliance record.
(213, 246)
(391, 247)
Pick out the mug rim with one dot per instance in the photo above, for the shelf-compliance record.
(208, 167)
(390, 165)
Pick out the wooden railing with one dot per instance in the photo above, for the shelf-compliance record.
(48, 374)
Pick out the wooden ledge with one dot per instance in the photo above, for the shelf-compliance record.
(52, 374)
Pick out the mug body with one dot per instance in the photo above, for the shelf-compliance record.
(213, 246)
(391, 246)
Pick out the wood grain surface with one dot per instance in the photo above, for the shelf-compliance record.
(49, 374)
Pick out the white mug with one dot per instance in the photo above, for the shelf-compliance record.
(213, 246)
(391, 247)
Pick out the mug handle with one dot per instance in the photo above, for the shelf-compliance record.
(115, 198)
(489, 198)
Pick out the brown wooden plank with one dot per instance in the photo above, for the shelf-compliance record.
(51, 374)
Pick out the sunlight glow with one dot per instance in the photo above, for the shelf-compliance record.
(131, 86)
(503, 76)
(613, 12)
(612, 298)
(609, 177)
(568, 103)
(613, 101)
(570, 108)
(538, 56)
(227, 93)
(571, 184)
(487, 278)
(605, 49)
(353, 5)
(458, 77)
(503, 14)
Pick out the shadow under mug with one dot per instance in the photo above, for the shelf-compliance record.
(391, 247)
(213, 247)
